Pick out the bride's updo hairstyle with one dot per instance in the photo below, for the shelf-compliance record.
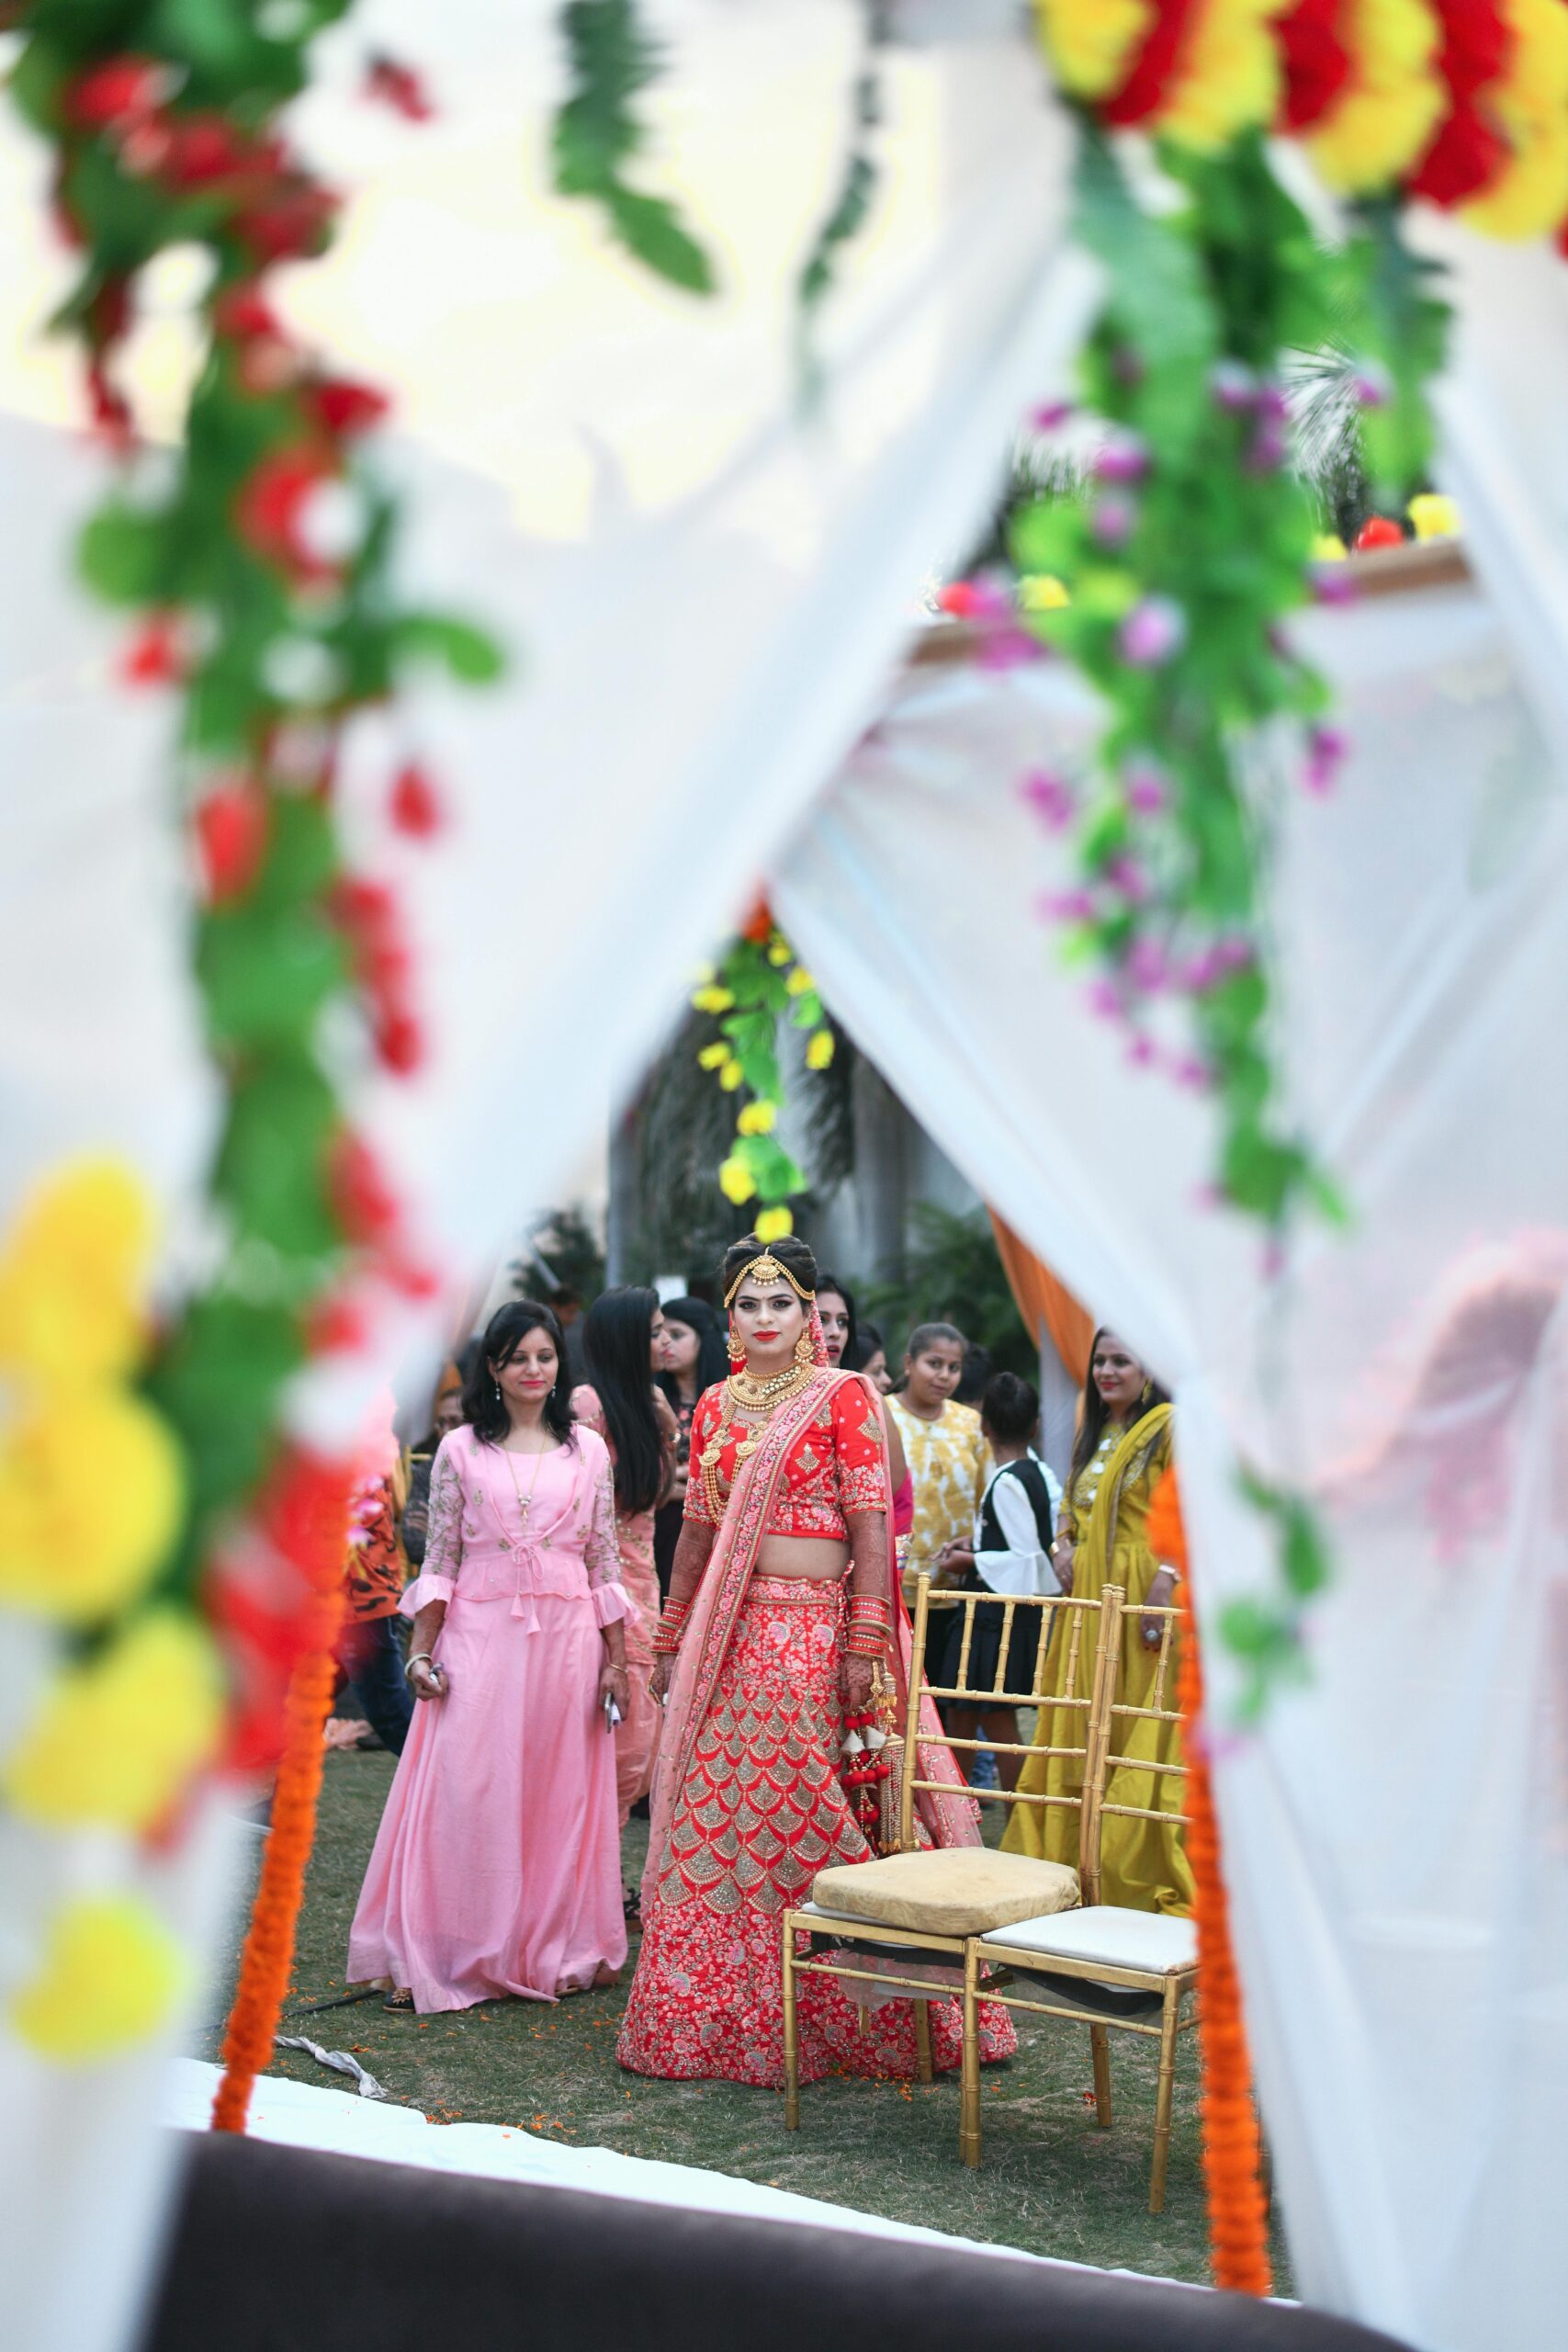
(791, 1252)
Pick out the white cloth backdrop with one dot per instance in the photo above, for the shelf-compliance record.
(700, 588)
(1396, 1835)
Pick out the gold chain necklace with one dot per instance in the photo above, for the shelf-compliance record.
(754, 1396)
(524, 1502)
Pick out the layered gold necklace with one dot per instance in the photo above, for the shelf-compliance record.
(744, 1392)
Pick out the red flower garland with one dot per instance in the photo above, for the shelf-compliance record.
(1467, 151)
(1315, 60)
(1154, 67)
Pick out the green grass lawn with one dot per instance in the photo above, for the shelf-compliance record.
(1052, 2182)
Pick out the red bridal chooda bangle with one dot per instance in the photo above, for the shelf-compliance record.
(671, 1625)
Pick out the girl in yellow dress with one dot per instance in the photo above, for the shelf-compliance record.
(1122, 1452)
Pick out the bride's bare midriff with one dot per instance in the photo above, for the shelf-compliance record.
(822, 1556)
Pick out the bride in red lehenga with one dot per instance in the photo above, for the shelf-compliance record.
(784, 1603)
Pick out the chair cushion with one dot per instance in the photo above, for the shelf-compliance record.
(1105, 1933)
(962, 1890)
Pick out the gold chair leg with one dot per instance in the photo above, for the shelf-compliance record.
(969, 2104)
(791, 2031)
(1162, 2101)
(923, 2067)
(1100, 2043)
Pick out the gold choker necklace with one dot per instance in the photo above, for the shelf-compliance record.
(754, 1394)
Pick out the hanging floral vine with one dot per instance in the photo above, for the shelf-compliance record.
(255, 565)
(758, 990)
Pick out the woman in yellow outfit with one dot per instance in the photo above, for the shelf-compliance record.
(1122, 1452)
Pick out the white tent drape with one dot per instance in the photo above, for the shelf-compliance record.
(1395, 1833)
(700, 586)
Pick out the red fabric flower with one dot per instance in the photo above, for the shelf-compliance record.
(1153, 67)
(400, 1041)
(153, 657)
(203, 148)
(268, 510)
(231, 829)
(363, 1202)
(342, 407)
(1314, 60)
(758, 926)
(240, 310)
(120, 91)
(1380, 531)
(336, 1325)
(291, 224)
(397, 86)
(415, 802)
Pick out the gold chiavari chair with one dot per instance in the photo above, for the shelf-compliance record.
(872, 1923)
(1102, 1965)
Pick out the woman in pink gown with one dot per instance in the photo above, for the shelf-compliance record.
(496, 1869)
(622, 1347)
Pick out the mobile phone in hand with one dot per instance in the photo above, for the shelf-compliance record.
(612, 1713)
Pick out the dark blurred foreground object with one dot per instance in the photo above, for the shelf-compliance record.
(276, 2249)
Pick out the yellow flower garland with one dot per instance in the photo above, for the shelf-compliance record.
(1394, 99)
(1090, 42)
(1228, 76)
(1530, 103)
(119, 1738)
(109, 1977)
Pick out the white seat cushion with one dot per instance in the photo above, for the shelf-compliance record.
(958, 1891)
(1105, 1934)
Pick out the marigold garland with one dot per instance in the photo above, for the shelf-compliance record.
(1528, 103)
(1238, 2218)
(315, 1519)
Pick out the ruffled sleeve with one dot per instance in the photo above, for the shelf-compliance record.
(601, 1550)
(858, 1449)
(437, 1579)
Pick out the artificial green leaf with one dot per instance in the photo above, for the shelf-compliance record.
(469, 652)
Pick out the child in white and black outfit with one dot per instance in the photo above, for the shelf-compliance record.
(1009, 1555)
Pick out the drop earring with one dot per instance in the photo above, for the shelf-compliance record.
(805, 1353)
(737, 1352)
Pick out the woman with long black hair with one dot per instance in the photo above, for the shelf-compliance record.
(496, 1869)
(622, 1347)
(696, 1360)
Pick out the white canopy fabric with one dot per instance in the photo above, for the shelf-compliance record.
(700, 585)
(1395, 1832)
(702, 590)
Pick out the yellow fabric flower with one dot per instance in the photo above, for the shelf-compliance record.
(1435, 517)
(1090, 43)
(779, 953)
(736, 1182)
(111, 1974)
(1392, 101)
(758, 1119)
(799, 982)
(730, 1075)
(72, 1271)
(713, 999)
(774, 1224)
(713, 1057)
(1328, 548)
(90, 1496)
(1530, 105)
(119, 1738)
(1042, 592)
(1227, 78)
(820, 1052)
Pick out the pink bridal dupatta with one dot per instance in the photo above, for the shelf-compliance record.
(941, 1820)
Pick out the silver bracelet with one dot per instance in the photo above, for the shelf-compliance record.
(420, 1658)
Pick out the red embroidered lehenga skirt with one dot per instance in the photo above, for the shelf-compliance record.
(761, 1812)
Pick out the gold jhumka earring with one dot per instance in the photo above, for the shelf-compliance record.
(805, 1353)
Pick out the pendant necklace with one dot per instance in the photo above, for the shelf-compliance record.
(525, 1501)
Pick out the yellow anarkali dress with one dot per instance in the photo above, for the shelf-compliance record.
(1143, 1864)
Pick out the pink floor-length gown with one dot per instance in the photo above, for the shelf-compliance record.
(637, 1739)
(496, 1869)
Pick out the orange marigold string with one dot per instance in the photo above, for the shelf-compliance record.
(316, 1545)
(1238, 2221)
